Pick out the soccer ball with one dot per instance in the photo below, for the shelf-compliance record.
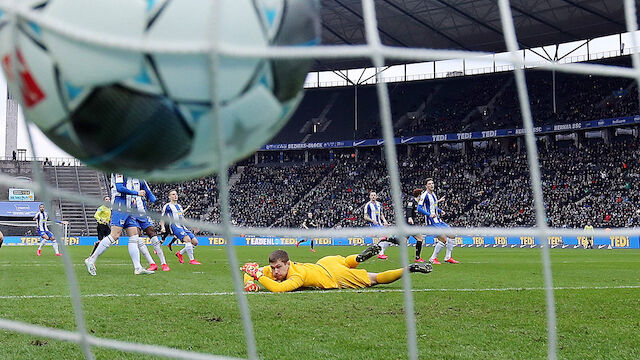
(149, 113)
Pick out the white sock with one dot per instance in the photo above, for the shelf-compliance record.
(384, 245)
(189, 249)
(183, 251)
(102, 247)
(134, 252)
(55, 246)
(157, 246)
(145, 251)
(436, 250)
(42, 244)
(450, 244)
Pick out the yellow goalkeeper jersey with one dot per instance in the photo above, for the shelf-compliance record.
(331, 272)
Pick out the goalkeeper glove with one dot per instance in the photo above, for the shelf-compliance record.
(253, 269)
(250, 286)
(248, 265)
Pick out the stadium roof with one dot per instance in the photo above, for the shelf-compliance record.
(467, 24)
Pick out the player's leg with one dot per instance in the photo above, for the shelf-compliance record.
(367, 254)
(131, 228)
(54, 243)
(118, 220)
(157, 246)
(312, 249)
(439, 244)
(301, 241)
(105, 243)
(447, 258)
(190, 242)
(390, 276)
(419, 242)
(43, 239)
(103, 230)
(384, 244)
(142, 247)
(451, 242)
(174, 239)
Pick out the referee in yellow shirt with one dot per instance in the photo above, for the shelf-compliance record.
(330, 272)
(103, 217)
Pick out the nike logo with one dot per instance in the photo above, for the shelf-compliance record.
(357, 143)
(403, 141)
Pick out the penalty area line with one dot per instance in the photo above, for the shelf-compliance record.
(227, 293)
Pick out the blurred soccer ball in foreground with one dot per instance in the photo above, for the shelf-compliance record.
(150, 114)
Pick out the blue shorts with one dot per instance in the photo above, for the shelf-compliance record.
(140, 221)
(46, 232)
(180, 231)
(376, 226)
(118, 218)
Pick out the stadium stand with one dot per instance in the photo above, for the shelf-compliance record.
(486, 184)
(460, 104)
(595, 184)
(81, 180)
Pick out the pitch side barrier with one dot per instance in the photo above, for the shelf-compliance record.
(617, 242)
(475, 135)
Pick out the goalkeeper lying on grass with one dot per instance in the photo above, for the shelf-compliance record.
(330, 272)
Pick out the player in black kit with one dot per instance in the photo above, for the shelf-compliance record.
(308, 223)
(411, 212)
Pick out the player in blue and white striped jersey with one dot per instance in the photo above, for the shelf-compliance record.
(130, 194)
(41, 218)
(144, 223)
(174, 211)
(374, 215)
(428, 205)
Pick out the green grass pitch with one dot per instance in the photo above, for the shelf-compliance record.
(489, 307)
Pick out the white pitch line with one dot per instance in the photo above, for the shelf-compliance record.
(56, 265)
(227, 293)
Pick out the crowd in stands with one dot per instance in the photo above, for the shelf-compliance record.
(595, 184)
(468, 103)
(488, 186)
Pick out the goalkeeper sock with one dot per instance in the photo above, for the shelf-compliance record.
(418, 249)
(389, 276)
(351, 261)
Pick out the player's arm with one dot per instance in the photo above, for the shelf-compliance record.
(164, 212)
(383, 219)
(122, 189)
(292, 283)
(150, 197)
